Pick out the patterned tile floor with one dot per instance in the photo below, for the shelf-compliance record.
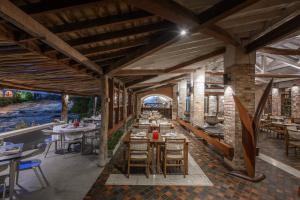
(277, 185)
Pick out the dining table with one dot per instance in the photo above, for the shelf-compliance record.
(11, 153)
(157, 143)
(71, 132)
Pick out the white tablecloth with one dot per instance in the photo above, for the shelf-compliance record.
(70, 132)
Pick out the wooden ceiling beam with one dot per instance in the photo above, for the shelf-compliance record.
(172, 11)
(98, 22)
(287, 26)
(134, 72)
(204, 19)
(57, 5)
(119, 34)
(16, 16)
(114, 47)
(269, 75)
(182, 65)
(280, 51)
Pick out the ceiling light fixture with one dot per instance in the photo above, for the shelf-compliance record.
(183, 32)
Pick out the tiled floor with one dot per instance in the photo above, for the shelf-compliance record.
(196, 177)
(275, 148)
(277, 185)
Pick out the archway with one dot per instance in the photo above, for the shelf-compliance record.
(158, 102)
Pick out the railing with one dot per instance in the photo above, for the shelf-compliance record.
(27, 130)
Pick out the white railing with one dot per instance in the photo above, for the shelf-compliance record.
(27, 130)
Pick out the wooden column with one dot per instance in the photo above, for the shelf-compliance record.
(104, 121)
(125, 99)
(64, 107)
(111, 103)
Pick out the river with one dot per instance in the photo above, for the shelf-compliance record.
(40, 112)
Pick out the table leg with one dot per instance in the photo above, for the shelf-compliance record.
(186, 158)
(12, 178)
(158, 159)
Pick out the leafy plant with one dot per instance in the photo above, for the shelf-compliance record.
(113, 141)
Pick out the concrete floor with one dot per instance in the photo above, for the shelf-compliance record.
(70, 177)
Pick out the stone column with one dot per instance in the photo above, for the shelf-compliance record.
(182, 98)
(276, 101)
(212, 105)
(295, 101)
(192, 99)
(64, 107)
(240, 68)
(138, 105)
(104, 121)
(198, 97)
(175, 102)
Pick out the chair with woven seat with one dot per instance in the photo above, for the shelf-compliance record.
(139, 155)
(292, 139)
(174, 154)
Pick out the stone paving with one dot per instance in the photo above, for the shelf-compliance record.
(277, 185)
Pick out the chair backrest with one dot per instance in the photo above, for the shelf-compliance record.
(175, 144)
(145, 127)
(138, 130)
(165, 128)
(293, 135)
(139, 144)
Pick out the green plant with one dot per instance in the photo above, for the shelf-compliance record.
(82, 106)
(113, 141)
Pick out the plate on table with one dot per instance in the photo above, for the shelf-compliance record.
(10, 151)
(169, 135)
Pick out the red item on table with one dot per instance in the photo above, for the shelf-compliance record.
(76, 124)
(155, 134)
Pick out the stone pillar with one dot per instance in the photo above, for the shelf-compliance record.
(104, 121)
(191, 98)
(276, 101)
(212, 105)
(295, 101)
(198, 97)
(175, 102)
(138, 105)
(64, 107)
(182, 98)
(221, 104)
(240, 68)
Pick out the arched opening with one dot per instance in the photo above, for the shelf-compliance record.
(157, 102)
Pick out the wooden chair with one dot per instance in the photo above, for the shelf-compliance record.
(292, 140)
(139, 155)
(165, 128)
(174, 155)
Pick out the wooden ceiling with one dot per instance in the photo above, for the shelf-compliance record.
(66, 46)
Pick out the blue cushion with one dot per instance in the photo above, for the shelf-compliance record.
(29, 164)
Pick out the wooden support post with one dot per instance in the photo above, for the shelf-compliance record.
(64, 107)
(104, 121)
(111, 103)
(125, 99)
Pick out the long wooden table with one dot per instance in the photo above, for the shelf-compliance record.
(157, 143)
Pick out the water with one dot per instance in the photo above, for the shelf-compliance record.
(41, 112)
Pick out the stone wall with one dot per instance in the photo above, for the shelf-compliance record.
(212, 101)
(182, 98)
(198, 97)
(276, 101)
(240, 68)
(295, 101)
(175, 102)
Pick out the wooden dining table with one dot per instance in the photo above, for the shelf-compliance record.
(157, 143)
